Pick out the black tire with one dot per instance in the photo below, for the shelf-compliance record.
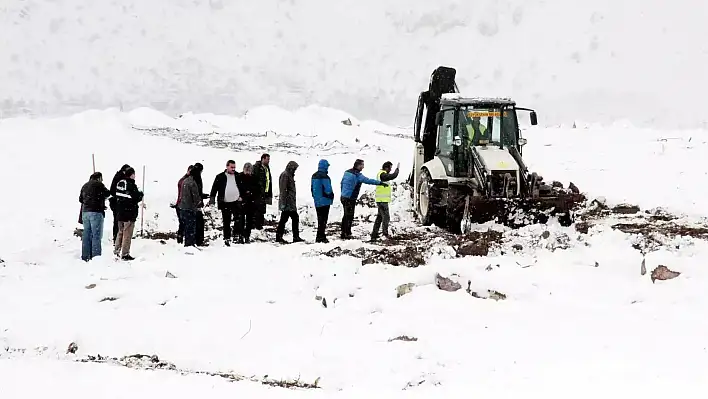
(426, 210)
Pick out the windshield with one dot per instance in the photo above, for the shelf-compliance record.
(486, 126)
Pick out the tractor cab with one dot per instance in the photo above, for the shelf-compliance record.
(465, 123)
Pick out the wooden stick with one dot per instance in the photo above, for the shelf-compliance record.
(142, 207)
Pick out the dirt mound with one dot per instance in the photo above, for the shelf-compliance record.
(407, 256)
(411, 248)
(476, 243)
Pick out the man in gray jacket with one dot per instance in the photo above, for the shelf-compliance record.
(287, 203)
(190, 203)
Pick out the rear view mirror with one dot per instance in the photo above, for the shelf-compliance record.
(439, 118)
(534, 118)
(522, 142)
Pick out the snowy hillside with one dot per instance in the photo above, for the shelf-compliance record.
(595, 60)
(539, 311)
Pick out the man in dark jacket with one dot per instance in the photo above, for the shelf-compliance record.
(190, 203)
(250, 191)
(351, 184)
(323, 196)
(112, 200)
(226, 193)
(383, 198)
(93, 211)
(287, 203)
(200, 215)
(180, 226)
(128, 198)
(261, 170)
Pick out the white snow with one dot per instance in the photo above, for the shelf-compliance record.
(578, 320)
(596, 60)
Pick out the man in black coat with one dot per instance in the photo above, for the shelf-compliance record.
(93, 211)
(190, 204)
(250, 192)
(199, 168)
(261, 170)
(112, 200)
(287, 203)
(128, 198)
(226, 192)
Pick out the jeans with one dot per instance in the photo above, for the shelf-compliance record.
(383, 216)
(180, 226)
(93, 233)
(348, 218)
(189, 218)
(322, 216)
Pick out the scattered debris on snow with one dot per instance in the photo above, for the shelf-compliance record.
(663, 273)
(643, 270)
(403, 289)
(73, 347)
(446, 284)
(109, 299)
(404, 338)
(153, 362)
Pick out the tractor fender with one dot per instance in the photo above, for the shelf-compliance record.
(436, 169)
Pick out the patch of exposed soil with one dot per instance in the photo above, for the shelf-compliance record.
(410, 247)
(476, 243)
(408, 256)
(667, 229)
(654, 228)
(161, 235)
(152, 362)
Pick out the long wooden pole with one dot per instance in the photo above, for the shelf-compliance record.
(142, 207)
(81, 208)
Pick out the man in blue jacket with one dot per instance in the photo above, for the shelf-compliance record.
(323, 195)
(351, 184)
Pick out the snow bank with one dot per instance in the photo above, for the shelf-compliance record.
(589, 61)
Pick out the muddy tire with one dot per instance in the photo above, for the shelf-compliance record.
(426, 197)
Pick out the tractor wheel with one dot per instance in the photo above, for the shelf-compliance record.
(426, 208)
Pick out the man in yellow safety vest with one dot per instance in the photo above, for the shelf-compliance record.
(383, 198)
(476, 131)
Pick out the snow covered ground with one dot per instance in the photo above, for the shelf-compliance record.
(577, 317)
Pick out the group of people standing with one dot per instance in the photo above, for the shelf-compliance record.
(124, 198)
(351, 182)
(241, 197)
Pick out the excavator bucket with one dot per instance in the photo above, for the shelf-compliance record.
(519, 212)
